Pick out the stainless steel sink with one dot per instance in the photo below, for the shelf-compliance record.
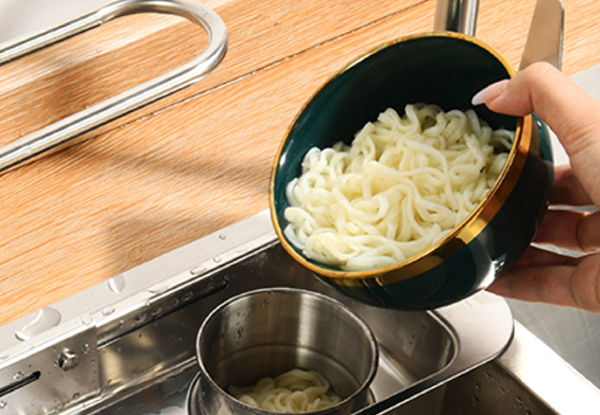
(126, 346)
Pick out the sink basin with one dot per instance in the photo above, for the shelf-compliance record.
(126, 346)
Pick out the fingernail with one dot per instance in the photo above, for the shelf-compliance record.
(489, 93)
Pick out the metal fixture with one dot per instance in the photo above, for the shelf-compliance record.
(150, 333)
(545, 38)
(129, 364)
(68, 360)
(55, 135)
(456, 16)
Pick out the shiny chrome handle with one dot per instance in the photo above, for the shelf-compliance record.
(456, 16)
(38, 143)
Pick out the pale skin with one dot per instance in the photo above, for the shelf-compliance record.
(541, 276)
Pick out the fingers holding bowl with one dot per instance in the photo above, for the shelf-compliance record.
(554, 279)
(573, 230)
(567, 189)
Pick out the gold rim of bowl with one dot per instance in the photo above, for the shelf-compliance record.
(469, 228)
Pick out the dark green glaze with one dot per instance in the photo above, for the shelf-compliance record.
(492, 252)
(443, 70)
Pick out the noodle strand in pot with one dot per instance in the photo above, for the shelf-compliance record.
(295, 391)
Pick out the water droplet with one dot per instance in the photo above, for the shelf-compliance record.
(108, 311)
(44, 319)
(187, 296)
(18, 376)
(76, 396)
(266, 302)
(240, 333)
(156, 312)
(2, 404)
(86, 319)
(85, 349)
(222, 237)
(117, 284)
(140, 318)
(159, 288)
(197, 270)
(217, 259)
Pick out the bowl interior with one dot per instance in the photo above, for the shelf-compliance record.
(445, 69)
(268, 332)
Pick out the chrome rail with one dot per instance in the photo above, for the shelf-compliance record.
(456, 16)
(53, 136)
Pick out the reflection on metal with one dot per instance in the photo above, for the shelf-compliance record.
(456, 16)
(44, 319)
(54, 136)
(144, 349)
(545, 39)
(93, 358)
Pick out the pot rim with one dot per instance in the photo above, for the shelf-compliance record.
(363, 387)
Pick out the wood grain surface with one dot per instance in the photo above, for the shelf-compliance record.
(200, 159)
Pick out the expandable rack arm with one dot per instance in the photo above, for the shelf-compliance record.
(51, 137)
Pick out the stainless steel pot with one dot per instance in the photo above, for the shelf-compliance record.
(270, 331)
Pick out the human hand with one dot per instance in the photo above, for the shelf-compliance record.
(574, 116)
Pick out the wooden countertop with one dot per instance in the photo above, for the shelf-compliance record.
(200, 159)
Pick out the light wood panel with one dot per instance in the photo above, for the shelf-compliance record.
(49, 85)
(199, 160)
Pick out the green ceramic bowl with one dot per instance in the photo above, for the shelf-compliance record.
(446, 69)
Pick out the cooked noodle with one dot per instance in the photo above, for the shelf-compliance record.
(295, 391)
(403, 184)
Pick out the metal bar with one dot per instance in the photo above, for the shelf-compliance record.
(53, 136)
(456, 16)
(545, 38)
